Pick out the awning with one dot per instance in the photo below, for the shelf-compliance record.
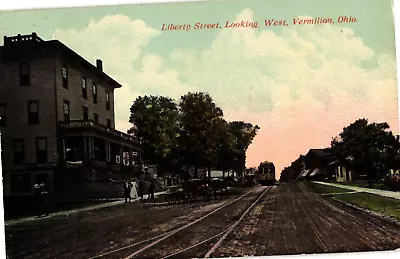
(305, 173)
(317, 172)
(334, 163)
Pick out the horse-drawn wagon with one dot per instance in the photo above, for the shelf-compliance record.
(195, 189)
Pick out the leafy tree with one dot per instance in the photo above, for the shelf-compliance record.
(366, 148)
(225, 147)
(200, 121)
(243, 134)
(155, 120)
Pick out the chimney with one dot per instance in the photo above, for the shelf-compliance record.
(99, 64)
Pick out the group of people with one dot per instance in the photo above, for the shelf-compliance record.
(42, 199)
(134, 189)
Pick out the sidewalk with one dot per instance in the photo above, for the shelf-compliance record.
(63, 213)
(389, 194)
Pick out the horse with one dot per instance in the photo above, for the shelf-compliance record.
(196, 188)
(217, 184)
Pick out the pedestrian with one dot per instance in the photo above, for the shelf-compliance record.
(45, 200)
(38, 199)
(127, 191)
(152, 188)
(134, 190)
(141, 189)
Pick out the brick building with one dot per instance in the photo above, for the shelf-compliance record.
(57, 120)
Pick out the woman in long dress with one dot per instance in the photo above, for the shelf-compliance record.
(134, 190)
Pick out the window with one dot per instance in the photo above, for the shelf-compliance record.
(33, 112)
(108, 101)
(18, 151)
(66, 111)
(85, 113)
(65, 77)
(24, 74)
(41, 150)
(109, 123)
(21, 183)
(96, 117)
(2, 114)
(94, 90)
(83, 86)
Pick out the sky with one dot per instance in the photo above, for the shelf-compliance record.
(300, 83)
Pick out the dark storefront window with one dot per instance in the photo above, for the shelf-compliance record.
(21, 183)
(74, 149)
(99, 149)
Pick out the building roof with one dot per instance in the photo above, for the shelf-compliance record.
(319, 151)
(21, 45)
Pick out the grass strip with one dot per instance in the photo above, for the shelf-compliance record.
(384, 205)
(372, 202)
(325, 189)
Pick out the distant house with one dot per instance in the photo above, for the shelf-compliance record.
(287, 175)
(316, 162)
(340, 173)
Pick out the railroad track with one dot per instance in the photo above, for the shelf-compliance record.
(157, 240)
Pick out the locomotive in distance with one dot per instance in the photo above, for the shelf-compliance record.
(266, 173)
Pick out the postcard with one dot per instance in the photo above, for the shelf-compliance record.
(208, 129)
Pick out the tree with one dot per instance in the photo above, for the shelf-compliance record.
(225, 147)
(243, 134)
(366, 148)
(155, 120)
(199, 124)
(297, 166)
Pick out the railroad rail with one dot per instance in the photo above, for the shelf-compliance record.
(159, 238)
(224, 233)
(152, 242)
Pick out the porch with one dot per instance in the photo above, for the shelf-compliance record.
(92, 153)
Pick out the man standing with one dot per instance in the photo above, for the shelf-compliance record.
(38, 199)
(141, 187)
(152, 188)
(45, 199)
(127, 191)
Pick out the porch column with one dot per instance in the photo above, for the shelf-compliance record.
(85, 147)
(64, 150)
(108, 148)
(120, 155)
(130, 157)
(91, 146)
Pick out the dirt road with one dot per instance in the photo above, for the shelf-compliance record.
(90, 233)
(288, 220)
(294, 221)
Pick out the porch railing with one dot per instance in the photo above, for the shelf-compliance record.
(92, 124)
